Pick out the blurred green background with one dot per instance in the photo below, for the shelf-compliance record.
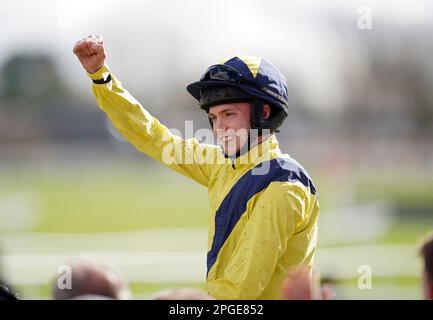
(361, 123)
(123, 210)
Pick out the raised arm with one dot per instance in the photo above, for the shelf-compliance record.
(136, 124)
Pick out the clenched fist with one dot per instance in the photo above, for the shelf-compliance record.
(91, 53)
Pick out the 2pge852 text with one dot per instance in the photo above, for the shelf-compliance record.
(250, 309)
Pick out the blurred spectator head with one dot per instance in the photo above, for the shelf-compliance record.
(6, 293)
(90, 279)
(181, 294)
(327, 288)
(426, 252)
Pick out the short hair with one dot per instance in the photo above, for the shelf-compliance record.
(426, 251)
(94, 279)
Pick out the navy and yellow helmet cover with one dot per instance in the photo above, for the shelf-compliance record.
(245, 78)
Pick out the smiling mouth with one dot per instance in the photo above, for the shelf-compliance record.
(227, 139)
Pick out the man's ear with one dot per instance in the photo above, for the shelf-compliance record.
(266, 111)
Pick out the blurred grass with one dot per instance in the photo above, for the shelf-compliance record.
(112, 199)
(122, 197)
(115, 197)
(407, 230)
(405, 188)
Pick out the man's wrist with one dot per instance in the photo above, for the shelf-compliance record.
(101, 76)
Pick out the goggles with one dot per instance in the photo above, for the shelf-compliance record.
(220, 72)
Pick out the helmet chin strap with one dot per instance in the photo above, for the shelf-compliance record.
(257, 121)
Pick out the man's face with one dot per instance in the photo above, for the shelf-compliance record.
(231, 125)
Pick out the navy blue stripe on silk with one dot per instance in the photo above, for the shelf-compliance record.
(235, 203)
(241, 66)
(267, 76)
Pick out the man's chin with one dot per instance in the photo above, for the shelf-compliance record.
(234, 151)
(230, 153)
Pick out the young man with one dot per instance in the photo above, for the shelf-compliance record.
(263, 204)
